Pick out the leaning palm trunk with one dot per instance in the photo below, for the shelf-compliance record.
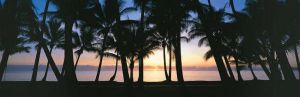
(36, 63)
(265, 68)
(229, 68)
(218, 58)
(285, 65)
(101, 56)
(238, 70)
(116, 69)
(45, 48)
(3, 64)
(47, 68)
(99, 68)
(165, 64)
(275, 72)
(252, 72)
(216, 51)
(77, 60)
(297, 60)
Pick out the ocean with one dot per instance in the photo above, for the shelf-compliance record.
(154, 75)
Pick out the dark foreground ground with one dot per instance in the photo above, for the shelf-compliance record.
(158, 89)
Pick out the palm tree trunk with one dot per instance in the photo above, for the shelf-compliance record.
(229, 68)
(99, 68)
(297, 60)
(209, 4)
(141, 70)
(216, 52)
(116, 69)
(68, 65)
(47, 68)
(265, 68)
(252, 72)
(238, 70)
(170, 63)
(125, 70)
(285, 65)
(76, 64)
(3, 64)
(232, 7)
(45, 48)
(140, 58)
(131, 66)
(165, 64)
(218, 58)
(101, 56)
(36, 63)
(275, 72)
(178, 59)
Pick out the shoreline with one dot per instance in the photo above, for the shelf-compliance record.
(153, 89)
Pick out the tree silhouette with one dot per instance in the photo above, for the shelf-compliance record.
(55, 37)
(13, 18)
(211, 22)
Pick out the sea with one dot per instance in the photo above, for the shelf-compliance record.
(88, 73)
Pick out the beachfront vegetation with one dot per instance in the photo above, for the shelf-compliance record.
(261, 34)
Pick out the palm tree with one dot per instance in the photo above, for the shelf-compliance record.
(292, 43)
(172, 21)
(146, 43)
(70, 15)
(13, 19)
(55, 37)
(209, 25)
(44, 46)
(84, 41)
(274, 34)
(116, 68)
(109, 17)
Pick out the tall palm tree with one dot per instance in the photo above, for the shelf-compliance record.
(70, 15)
(173, 21)
(108, 15)
(142, 4)
(274, 34)
(55, 37)
(44, 46)
(210, 24)
(15, 15)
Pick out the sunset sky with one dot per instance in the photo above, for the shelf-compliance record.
(192, 55)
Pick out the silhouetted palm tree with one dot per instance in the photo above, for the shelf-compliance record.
(173, 15)
(108, 15)
(112, 78)
(70, 15)
(273, 34)
(16, 18)
(55, 37)
(44, 46)
(85, 41)
(209, 23)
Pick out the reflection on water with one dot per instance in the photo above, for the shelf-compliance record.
(150, 76)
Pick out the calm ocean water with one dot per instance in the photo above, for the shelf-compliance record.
(150, 75)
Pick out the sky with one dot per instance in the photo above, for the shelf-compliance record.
(192, 55)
